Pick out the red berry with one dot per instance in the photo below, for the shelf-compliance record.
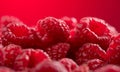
(108, 68)
(49, 66)
(5, 20)
(82, 68)
(29, 58)
(70, 21)
(99, 28)
(52, 30)
(95, 63)
(69, 64)
(113, 52)
(58, 51)
(90, 29)
(5, 69)
(17, 33)
(89, 51)
(9, 54)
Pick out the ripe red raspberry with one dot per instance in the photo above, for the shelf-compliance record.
(58, 51)
(49, 66)
(5, 69)
(52, 30)
(17, 33)
(99, 28)
(29, 58)
(95, 63)
(70, 21)
(82, 68)
(113, 51)
(69, 64)
(5, 20)
(90, 30)
(89, 51)
(9, 54)
(108, 68)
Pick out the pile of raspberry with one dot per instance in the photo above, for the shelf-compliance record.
(59, 45)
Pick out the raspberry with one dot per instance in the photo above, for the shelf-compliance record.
(51, 66)
(108, 68)
(95, 63)
(9, 54)
(89, 51)
(5, 20)
(69, 64)
(18, 34)
(58, 51)
(52, 30)
(29, 58)
(5, 69)
(70, 21)
(90, 30)
(113, 52)
(82, 68)
(99, 28)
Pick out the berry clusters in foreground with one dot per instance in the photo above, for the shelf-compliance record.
(59, 45)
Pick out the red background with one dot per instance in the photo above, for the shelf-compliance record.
(29, 11)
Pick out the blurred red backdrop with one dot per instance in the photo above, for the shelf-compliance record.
(29, 11)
